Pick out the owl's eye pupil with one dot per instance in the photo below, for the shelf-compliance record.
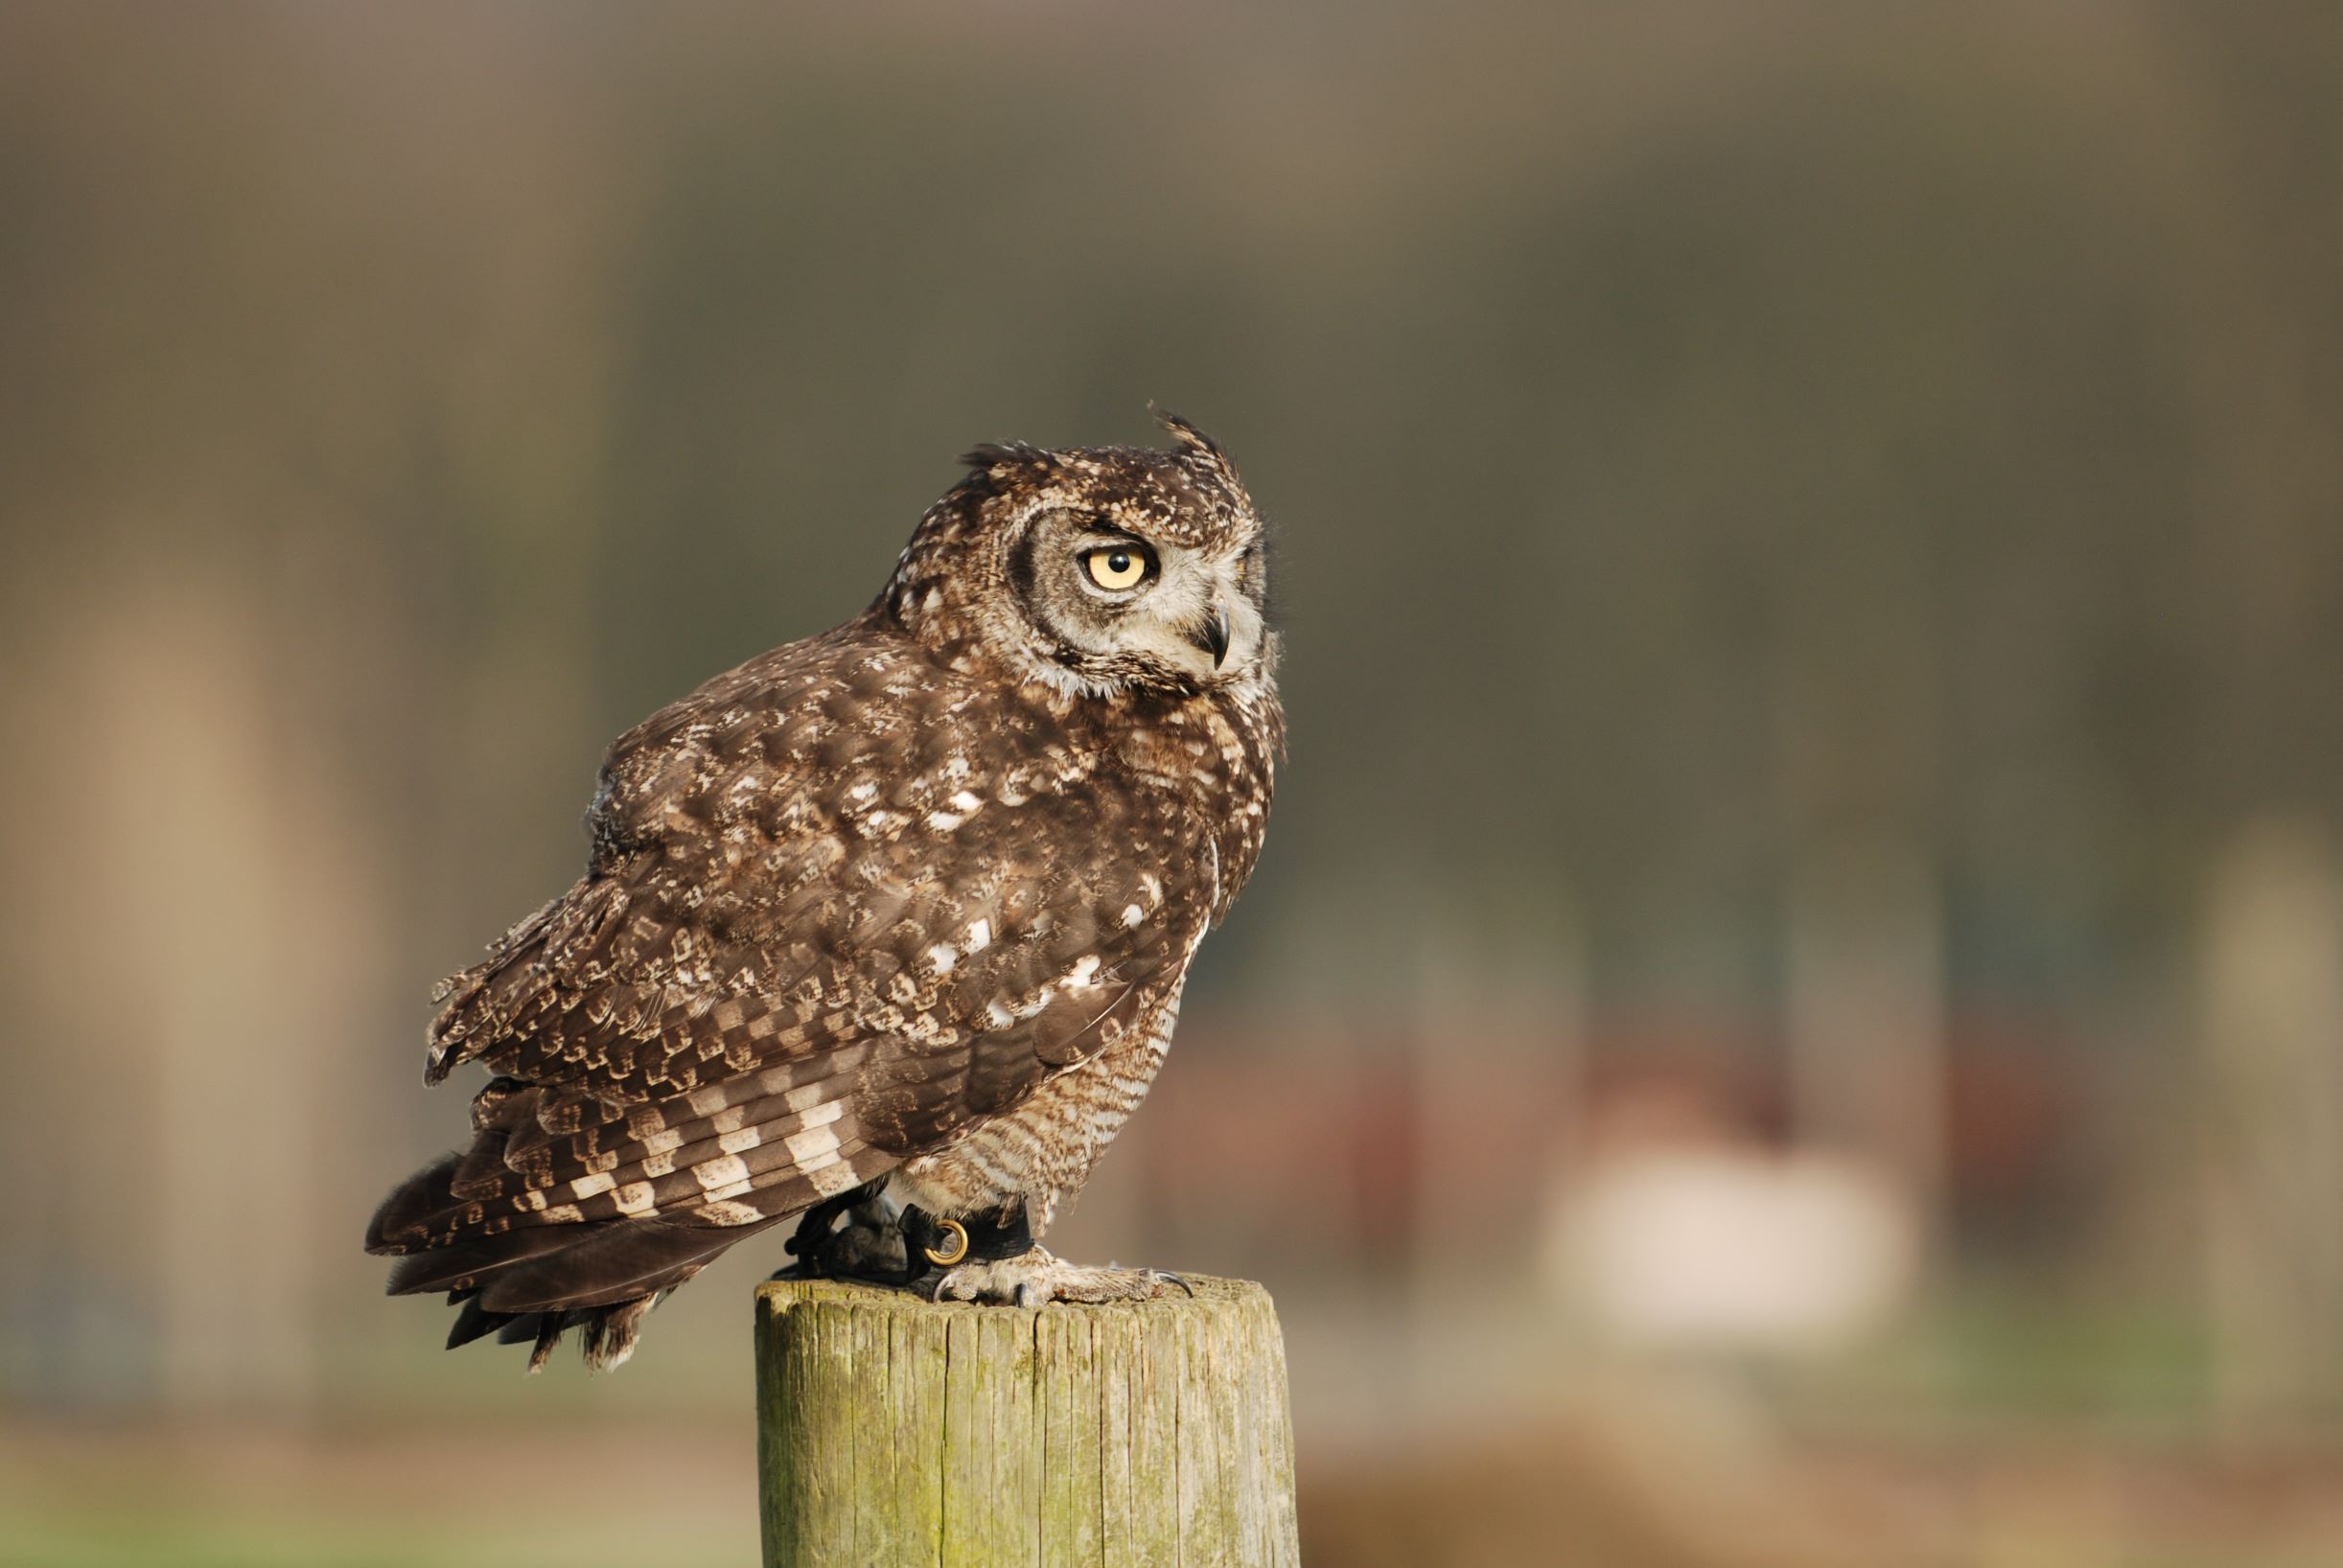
(1117, 569)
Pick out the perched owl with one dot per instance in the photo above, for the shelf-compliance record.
(901, 913)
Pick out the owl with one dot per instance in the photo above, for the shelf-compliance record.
(884, 931)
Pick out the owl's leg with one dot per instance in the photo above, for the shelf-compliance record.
(991, 1256)
(1038, 1277)
(869, 1246)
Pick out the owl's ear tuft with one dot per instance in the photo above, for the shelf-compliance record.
(1202, 449)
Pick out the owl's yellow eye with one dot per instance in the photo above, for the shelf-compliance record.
(1117, 568)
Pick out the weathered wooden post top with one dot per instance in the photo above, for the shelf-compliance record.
(895, 1430)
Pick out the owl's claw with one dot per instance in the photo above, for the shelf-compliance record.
(868, 1246)
(1037, 1278)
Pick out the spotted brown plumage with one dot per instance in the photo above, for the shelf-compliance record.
(914, 899)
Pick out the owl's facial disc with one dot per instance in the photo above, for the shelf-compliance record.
(1122, 606)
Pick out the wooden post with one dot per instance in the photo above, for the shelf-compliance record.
(2271, 1115)
(892, 1430)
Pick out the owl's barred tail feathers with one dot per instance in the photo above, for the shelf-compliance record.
(535, 1284)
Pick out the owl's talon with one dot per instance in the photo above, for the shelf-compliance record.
(868, 1246)
(1037, 1278)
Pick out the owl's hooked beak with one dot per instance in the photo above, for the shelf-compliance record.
(1213, 636)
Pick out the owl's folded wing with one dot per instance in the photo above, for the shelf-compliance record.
(790, 988)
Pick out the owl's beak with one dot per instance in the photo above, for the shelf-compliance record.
(1213, 636)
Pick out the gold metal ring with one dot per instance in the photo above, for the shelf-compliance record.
(960, 1248)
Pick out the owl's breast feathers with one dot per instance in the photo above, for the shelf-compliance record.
(844, 902)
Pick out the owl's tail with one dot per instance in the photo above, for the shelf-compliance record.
(536, 1284)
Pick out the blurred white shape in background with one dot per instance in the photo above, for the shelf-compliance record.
(1686, 1229)
(1717, 1245)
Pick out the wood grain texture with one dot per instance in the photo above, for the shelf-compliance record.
(1143, 1435)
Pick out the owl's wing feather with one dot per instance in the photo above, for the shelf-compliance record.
(837, 912)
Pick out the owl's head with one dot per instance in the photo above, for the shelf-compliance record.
(1096, 571)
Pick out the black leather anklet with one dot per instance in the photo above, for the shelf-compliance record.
(984, 1237)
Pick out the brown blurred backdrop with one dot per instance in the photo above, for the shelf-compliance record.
(1793, 1009)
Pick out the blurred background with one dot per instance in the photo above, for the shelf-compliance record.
(1793, 1014)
